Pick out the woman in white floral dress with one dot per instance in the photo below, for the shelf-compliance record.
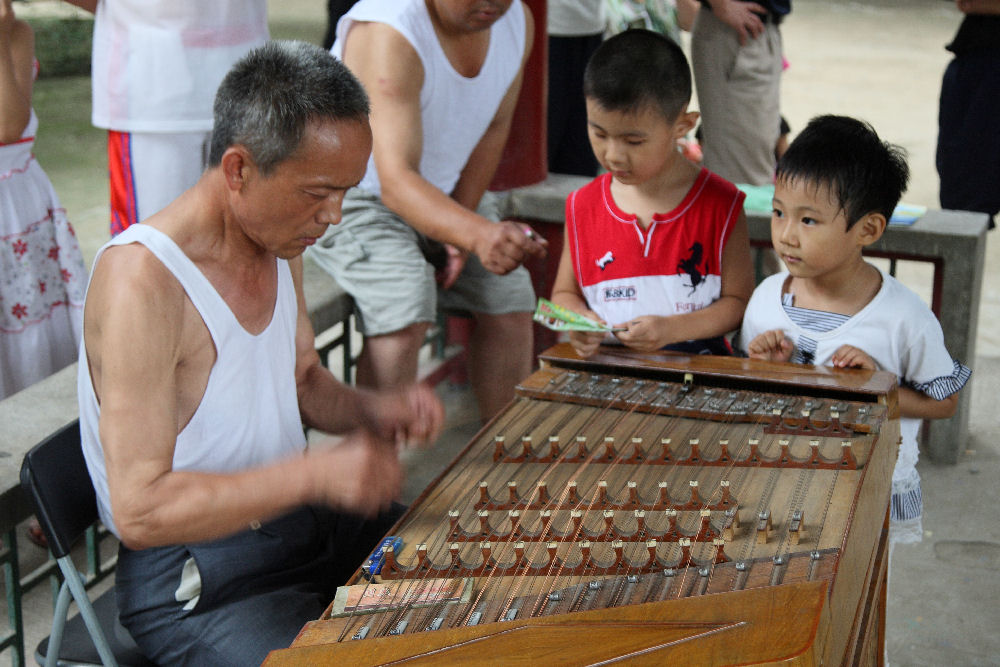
(42, 274)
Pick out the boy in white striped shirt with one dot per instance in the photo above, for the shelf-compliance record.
(835, 190)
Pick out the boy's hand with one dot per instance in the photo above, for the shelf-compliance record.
(848, 356)
(585, 342)
(644, 333)
(771, 345)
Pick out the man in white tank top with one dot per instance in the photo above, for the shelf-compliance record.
(198, 373)
(443, 76)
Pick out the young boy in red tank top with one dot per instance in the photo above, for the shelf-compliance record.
(656, 247)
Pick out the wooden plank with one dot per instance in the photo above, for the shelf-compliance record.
(780, 624)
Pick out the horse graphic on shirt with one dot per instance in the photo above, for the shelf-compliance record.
(689, 267)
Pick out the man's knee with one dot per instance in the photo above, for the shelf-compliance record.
(389, 360)
(407, 340)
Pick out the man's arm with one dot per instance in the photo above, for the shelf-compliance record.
(410, 415)
(480, 170)
(139, 349)
(17, 54)
(392, 73)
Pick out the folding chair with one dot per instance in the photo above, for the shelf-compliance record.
(54, 477)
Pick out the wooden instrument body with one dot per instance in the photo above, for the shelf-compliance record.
(615, 512)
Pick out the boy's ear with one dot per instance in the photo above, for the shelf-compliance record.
(871, 226)
(685, 123)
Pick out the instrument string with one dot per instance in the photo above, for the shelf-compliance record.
(628, 433)
(709, 435)
(571, 542)
(535, 547)
(703, 573)
(740, 471)
(780, 551)
(638, 476)
(649, 475)
(625, 564)
(485, 590)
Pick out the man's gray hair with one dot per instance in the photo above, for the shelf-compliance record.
(268, 97)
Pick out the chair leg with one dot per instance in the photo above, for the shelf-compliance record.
(87, 611)
(58, 625)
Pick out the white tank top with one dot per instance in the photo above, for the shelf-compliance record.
(455, 110)
(249, 414)
(155, 66)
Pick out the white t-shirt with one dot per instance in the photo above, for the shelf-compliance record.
(156, 65)
(896, 329)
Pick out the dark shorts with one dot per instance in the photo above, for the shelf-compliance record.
(257, 588)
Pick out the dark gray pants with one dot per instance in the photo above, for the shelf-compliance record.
(258, 587)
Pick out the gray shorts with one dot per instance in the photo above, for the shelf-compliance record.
(383, 263)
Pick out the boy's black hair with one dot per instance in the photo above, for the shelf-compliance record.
(864, 173)
(639, 67)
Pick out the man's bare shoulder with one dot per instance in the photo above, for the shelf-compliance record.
(131, 273)
(136, 312)
(372, 45)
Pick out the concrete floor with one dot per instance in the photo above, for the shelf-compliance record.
(881, 60)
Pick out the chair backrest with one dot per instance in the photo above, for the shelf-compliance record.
(54, 476)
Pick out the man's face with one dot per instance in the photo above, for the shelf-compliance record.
(290, 208)
(469, 15)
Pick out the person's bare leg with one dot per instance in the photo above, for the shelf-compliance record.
(500, 356)
(390, 360)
